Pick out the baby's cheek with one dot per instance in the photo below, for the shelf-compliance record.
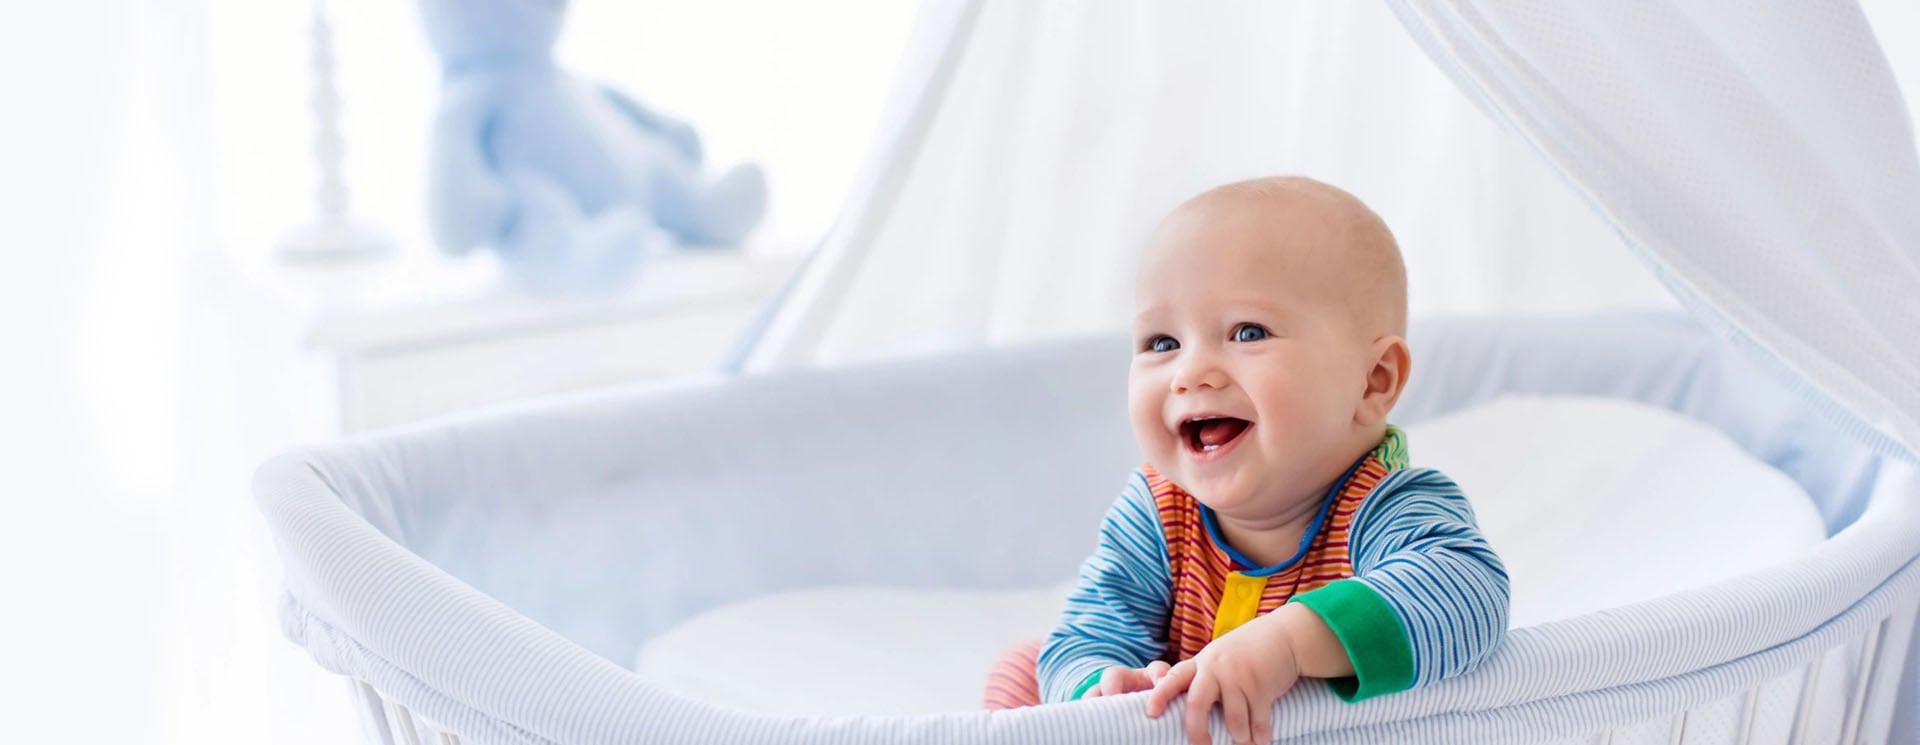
(1146, 433)
(1143, 412)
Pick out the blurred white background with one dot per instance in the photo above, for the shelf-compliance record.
(151, 153)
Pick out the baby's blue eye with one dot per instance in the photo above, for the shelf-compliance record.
(1249, 332)
(1162, 343)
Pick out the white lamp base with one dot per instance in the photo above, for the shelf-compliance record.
(334, 262)
(334, 244)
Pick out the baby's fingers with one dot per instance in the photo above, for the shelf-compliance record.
(1233, 708)
(1262, 721)
(1156, 670)
(1115, 681)
(1200, 700)
(1173, 683)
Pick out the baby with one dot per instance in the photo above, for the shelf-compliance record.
(1276, 502)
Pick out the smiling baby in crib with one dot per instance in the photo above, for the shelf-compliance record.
(1276, 530)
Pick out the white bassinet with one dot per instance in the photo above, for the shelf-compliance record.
(479, 577)
(479, 574)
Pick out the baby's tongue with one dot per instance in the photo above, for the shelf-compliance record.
(1218, 431)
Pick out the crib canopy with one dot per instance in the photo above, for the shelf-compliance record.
(1757, 158)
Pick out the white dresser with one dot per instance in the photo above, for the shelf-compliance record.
(441, 343)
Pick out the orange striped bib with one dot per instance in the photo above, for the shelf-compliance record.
(1213, 593)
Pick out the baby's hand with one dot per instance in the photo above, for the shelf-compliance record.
(1244, 671)
(1117, 679)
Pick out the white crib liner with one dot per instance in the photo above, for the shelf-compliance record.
(1593, 503)
(367, 607)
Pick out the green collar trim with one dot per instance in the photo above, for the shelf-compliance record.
(1392, 450)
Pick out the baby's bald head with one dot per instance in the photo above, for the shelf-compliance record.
(1311, 237)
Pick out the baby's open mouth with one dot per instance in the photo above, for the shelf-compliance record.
(1207, 434)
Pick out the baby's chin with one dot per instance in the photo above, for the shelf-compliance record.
(1220, 491)
(1238, 493)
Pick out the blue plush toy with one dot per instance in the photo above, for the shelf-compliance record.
(572, 183)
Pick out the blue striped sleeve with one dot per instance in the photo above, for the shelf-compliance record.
(1117, 613)
(1416, 544)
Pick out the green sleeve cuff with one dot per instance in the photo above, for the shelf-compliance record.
(1371, 632)
(1087, 685)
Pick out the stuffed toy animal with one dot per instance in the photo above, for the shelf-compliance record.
(572, 183)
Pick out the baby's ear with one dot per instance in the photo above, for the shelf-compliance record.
(1392, 361)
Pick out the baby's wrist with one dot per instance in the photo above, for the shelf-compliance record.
(1315, 651)
(1289, 646)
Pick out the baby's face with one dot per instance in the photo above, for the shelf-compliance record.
(1250, 358)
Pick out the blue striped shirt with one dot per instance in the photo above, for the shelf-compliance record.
(1414, 544)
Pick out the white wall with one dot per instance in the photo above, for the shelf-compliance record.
(1897, 23)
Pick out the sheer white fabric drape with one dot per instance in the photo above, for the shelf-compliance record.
(1758, 157)
(1053, 134)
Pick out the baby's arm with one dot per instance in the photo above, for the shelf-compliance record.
(1428, 599)
(1116, 616)
(1417, 555)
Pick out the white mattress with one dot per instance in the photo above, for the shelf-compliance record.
(1593, 503)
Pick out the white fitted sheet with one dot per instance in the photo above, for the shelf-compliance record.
(1593, 503)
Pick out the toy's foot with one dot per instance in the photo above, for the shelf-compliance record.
(731, 207)
(684, 139)
(597, 256)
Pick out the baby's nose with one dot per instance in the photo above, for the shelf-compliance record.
(1198, 371)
